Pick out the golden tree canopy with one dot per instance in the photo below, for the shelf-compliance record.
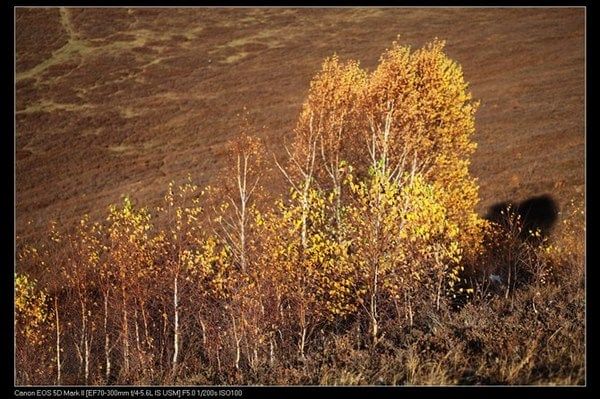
(414, 110)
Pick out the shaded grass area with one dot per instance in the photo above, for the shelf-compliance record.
(487, 344)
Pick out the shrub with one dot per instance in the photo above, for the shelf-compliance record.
(34, 325)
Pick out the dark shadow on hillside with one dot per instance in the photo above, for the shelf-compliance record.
(497, 270)
(535, 213)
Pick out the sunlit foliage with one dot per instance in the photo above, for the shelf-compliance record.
(415, 106)
(31, 309)
(377, 233)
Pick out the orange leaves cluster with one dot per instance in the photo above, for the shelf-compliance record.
(330, 112)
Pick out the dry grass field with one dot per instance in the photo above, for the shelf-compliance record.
(121, 101)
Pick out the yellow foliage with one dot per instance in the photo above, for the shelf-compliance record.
(317, 277)
(379, 220)
(131, 247)
(403, 240)
(210, 267)
(415, 107)
(32, 313)
(331, 113)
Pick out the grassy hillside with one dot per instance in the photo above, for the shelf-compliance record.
(365, 261)
(116, 101)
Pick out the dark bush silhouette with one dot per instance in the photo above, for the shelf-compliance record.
(535, 213)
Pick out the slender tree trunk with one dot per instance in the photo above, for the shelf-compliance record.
(137, 339)
(271, 352)
(125, 334)
(86, 347)
(176, 320)
(338, 207)
(306, 188)
(304, 217)
(243, 237)
(439, 293)
(373, 305)
(146, 335)
(509, 275)
(237, 343)
(397, 308)
(242, 180)
(163, 339)
(219, 359)
(81, 348)
(249, 349)
(302, 341)
(58, 364)
(106, 341)
(203, 333)
(410, 312)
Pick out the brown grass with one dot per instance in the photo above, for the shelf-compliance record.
(95, 79)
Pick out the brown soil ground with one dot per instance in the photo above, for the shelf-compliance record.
(121, 101)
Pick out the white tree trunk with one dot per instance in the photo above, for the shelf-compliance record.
(242, 180)
(373, 307)
(58, 364)
(106, 341)
(86, 350)
(176, 321)
(125, 335)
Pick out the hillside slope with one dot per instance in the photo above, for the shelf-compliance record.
(118, 101)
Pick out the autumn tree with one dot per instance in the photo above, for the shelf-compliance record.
(78, 272)
(414, 110)
(196, 264)
(131, 253)
(240, 188)
(422, 100)
(330, 118)
(238, 193)
(309, 268)
(374, 228)
(183, 210)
